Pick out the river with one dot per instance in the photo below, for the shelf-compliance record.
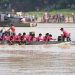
(39, 59)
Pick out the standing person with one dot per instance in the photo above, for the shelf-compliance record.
(65, 35)
(12, 28)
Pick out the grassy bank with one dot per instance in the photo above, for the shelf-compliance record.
(66, 12)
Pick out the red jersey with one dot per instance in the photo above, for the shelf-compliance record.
(13, 29)
(24, 38)
(30, 38)
(50, 38)
(17, 38)
(66, 34)
(7, 38)
(39, 38)
(45, 38)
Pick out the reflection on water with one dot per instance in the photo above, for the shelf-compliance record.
(37, 63)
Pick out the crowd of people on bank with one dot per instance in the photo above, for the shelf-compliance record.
(49, 18)
(10, 37)
(44, 18)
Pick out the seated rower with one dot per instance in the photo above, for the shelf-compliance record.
(18, 39)
(15, 39)
(65, 35)
(24, 38)
(49, 38)
(45, 38)
(5, 38)
(39, 38)
(31, 37)
(12, 39)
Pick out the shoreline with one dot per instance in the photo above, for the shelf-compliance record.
(68, 25)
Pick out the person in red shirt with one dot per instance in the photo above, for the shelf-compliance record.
(31, 37)
(15, 39)
(39, 38)
(65, 34)
(24, 38)
(12, 39)
(49, 38)
(45, 38)
(6, 38)
(12, 28)
(18, 38)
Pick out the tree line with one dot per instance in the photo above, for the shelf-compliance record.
(30, 5)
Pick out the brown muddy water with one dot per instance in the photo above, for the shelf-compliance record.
(37, 62)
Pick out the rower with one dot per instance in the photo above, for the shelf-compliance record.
(39, 38)
(45, 38)
(24, 38)
(50, 37)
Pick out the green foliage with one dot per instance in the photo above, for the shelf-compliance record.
(66, 12)
(30, 5)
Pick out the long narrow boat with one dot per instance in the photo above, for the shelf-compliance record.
(40, 43)
(50, 42)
